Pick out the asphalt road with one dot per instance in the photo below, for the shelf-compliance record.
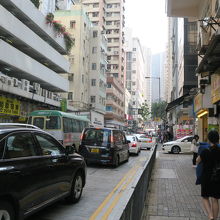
(102, 183)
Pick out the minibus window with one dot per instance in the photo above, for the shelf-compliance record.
(39, 122)
(53, 122)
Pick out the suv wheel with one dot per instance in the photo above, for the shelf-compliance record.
(77, 188)
(175, 149)
(6, 211)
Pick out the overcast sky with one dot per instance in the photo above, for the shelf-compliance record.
(147, 19)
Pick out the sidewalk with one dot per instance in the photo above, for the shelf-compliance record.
(173, 194)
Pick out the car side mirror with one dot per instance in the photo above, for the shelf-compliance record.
(128, 142)
(70, 150)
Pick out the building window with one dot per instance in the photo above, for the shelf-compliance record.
(93, 66)
(71, 59)
(115, 75)
(134, 71)
(133, 103)
(93, 82)
(71, 77)
(92, 99)
(134, 49)
(109, 5)
(108, 14)
(109, 85)
(72, 24)
(95, 14)
(70, 95)
(95, 5)
(108, 22)
(95, 34)
(94, 50)
(82, 78)
(109, 41)
(133, 93)
(134, 59)
(108, 108)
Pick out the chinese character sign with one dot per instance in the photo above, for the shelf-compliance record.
(9, 106)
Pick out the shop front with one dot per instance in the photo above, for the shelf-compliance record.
(203, 108)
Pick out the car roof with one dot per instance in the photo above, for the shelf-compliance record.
(4, 130)
(10, 125)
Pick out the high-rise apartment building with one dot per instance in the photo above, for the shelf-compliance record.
(88, 59)
(109, 15)
(147, 75)
(207, 100)
(78, 25)
(135, 76)
(31, 61)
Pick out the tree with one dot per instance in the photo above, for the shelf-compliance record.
(158, 110)
(145, 112)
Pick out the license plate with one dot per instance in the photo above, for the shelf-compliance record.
(94, 150)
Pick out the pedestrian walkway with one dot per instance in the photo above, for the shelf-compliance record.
(173, 194)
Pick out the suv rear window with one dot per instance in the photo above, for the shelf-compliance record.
(96, 137)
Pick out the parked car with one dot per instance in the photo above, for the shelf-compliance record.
(35, 171)
(104, 145)
(179, 145)
(17, 125)
(134, 145)
(146, 142)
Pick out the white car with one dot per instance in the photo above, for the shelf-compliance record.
(179, 145)
(145, 141)
(134, 145)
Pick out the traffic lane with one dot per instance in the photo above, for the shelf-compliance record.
(101, 180)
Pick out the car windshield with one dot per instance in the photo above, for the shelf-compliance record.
(130, 138)
(96, 137)
(182, 139)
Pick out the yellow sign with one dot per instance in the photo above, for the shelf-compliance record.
(9, 106)
(198, 102)
(215, 88)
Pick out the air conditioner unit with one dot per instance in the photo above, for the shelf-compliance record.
(25, 84)
(15, 82)
(116, 53)
(217, 9)
(10, 82)
(44, 92)
(49, 95)
(36, 86)
(19, 84)
(3, 79)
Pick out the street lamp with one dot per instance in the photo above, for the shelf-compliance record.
(152, 77)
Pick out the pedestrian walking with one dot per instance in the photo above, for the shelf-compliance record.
(194, 148)
(210, 190)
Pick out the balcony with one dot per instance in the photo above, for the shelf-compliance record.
(18, 64)
(35, 20)
(30, 43)
(186, 8)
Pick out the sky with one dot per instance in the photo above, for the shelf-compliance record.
(148, 21)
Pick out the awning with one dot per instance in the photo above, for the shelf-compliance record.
(176, 102)
(211, 60)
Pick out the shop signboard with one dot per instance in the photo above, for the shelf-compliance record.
(63, 105)
(215, 88)
(9, 106)
(198, 102)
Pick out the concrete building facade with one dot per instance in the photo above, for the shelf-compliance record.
(32, 62)
(109, 15)
(207, 99)
(78, 25)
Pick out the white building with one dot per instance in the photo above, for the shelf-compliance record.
(49, 6)
(135, 75)
(31, 61)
